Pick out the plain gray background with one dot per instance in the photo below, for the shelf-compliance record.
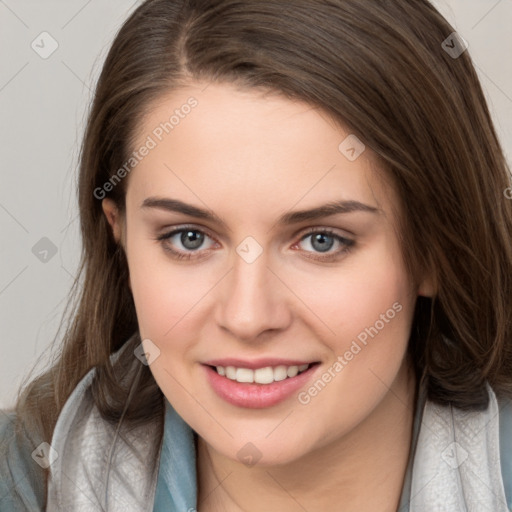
(43, 103)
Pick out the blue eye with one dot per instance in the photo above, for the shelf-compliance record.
(323, 241)
(192, 239)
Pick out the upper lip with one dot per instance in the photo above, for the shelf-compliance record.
(256, 363)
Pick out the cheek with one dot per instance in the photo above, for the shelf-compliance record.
(168, 300)
(369, 309)
(370, 290)
(377, 305)
(166, 295)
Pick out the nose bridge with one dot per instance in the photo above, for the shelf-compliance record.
(252, 301)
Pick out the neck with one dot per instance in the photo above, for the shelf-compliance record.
(358, 472)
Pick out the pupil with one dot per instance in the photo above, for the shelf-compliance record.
(191, 239)
(323, 247)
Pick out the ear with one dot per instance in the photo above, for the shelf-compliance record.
(427, 287)
(111, 211)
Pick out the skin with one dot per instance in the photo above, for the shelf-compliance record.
(250, 158)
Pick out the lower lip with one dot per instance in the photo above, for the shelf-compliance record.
(257, 396)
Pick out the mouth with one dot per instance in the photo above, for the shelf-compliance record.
(261, 387)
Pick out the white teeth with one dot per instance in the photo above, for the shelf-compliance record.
(292, 371)
(230, 372)
(280, 373)
(265, 375)
(244, 375)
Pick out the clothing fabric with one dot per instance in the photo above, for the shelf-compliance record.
(177, 479)
(21, 479)
(458, 462)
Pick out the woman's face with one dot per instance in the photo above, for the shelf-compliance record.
(250, 273)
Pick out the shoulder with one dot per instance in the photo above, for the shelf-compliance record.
(22, 480)
(505, 415)
(24, 463)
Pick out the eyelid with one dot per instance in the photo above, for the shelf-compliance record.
(169, 231)
(324, 229)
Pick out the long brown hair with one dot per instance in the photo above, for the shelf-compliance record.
(379, 68)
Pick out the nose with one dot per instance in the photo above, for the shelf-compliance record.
(253, 300)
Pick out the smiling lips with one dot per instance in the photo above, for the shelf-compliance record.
(257, 384)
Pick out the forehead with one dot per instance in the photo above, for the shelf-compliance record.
(218, 142)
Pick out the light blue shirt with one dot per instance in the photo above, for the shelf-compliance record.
(177, 481)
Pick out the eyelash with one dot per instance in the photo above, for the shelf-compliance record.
(347, 243)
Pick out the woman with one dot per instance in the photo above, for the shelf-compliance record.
(296, 277)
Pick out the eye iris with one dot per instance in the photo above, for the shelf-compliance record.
(194, 237)
(321, 237)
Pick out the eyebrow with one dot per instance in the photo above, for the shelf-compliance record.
(326, 210)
